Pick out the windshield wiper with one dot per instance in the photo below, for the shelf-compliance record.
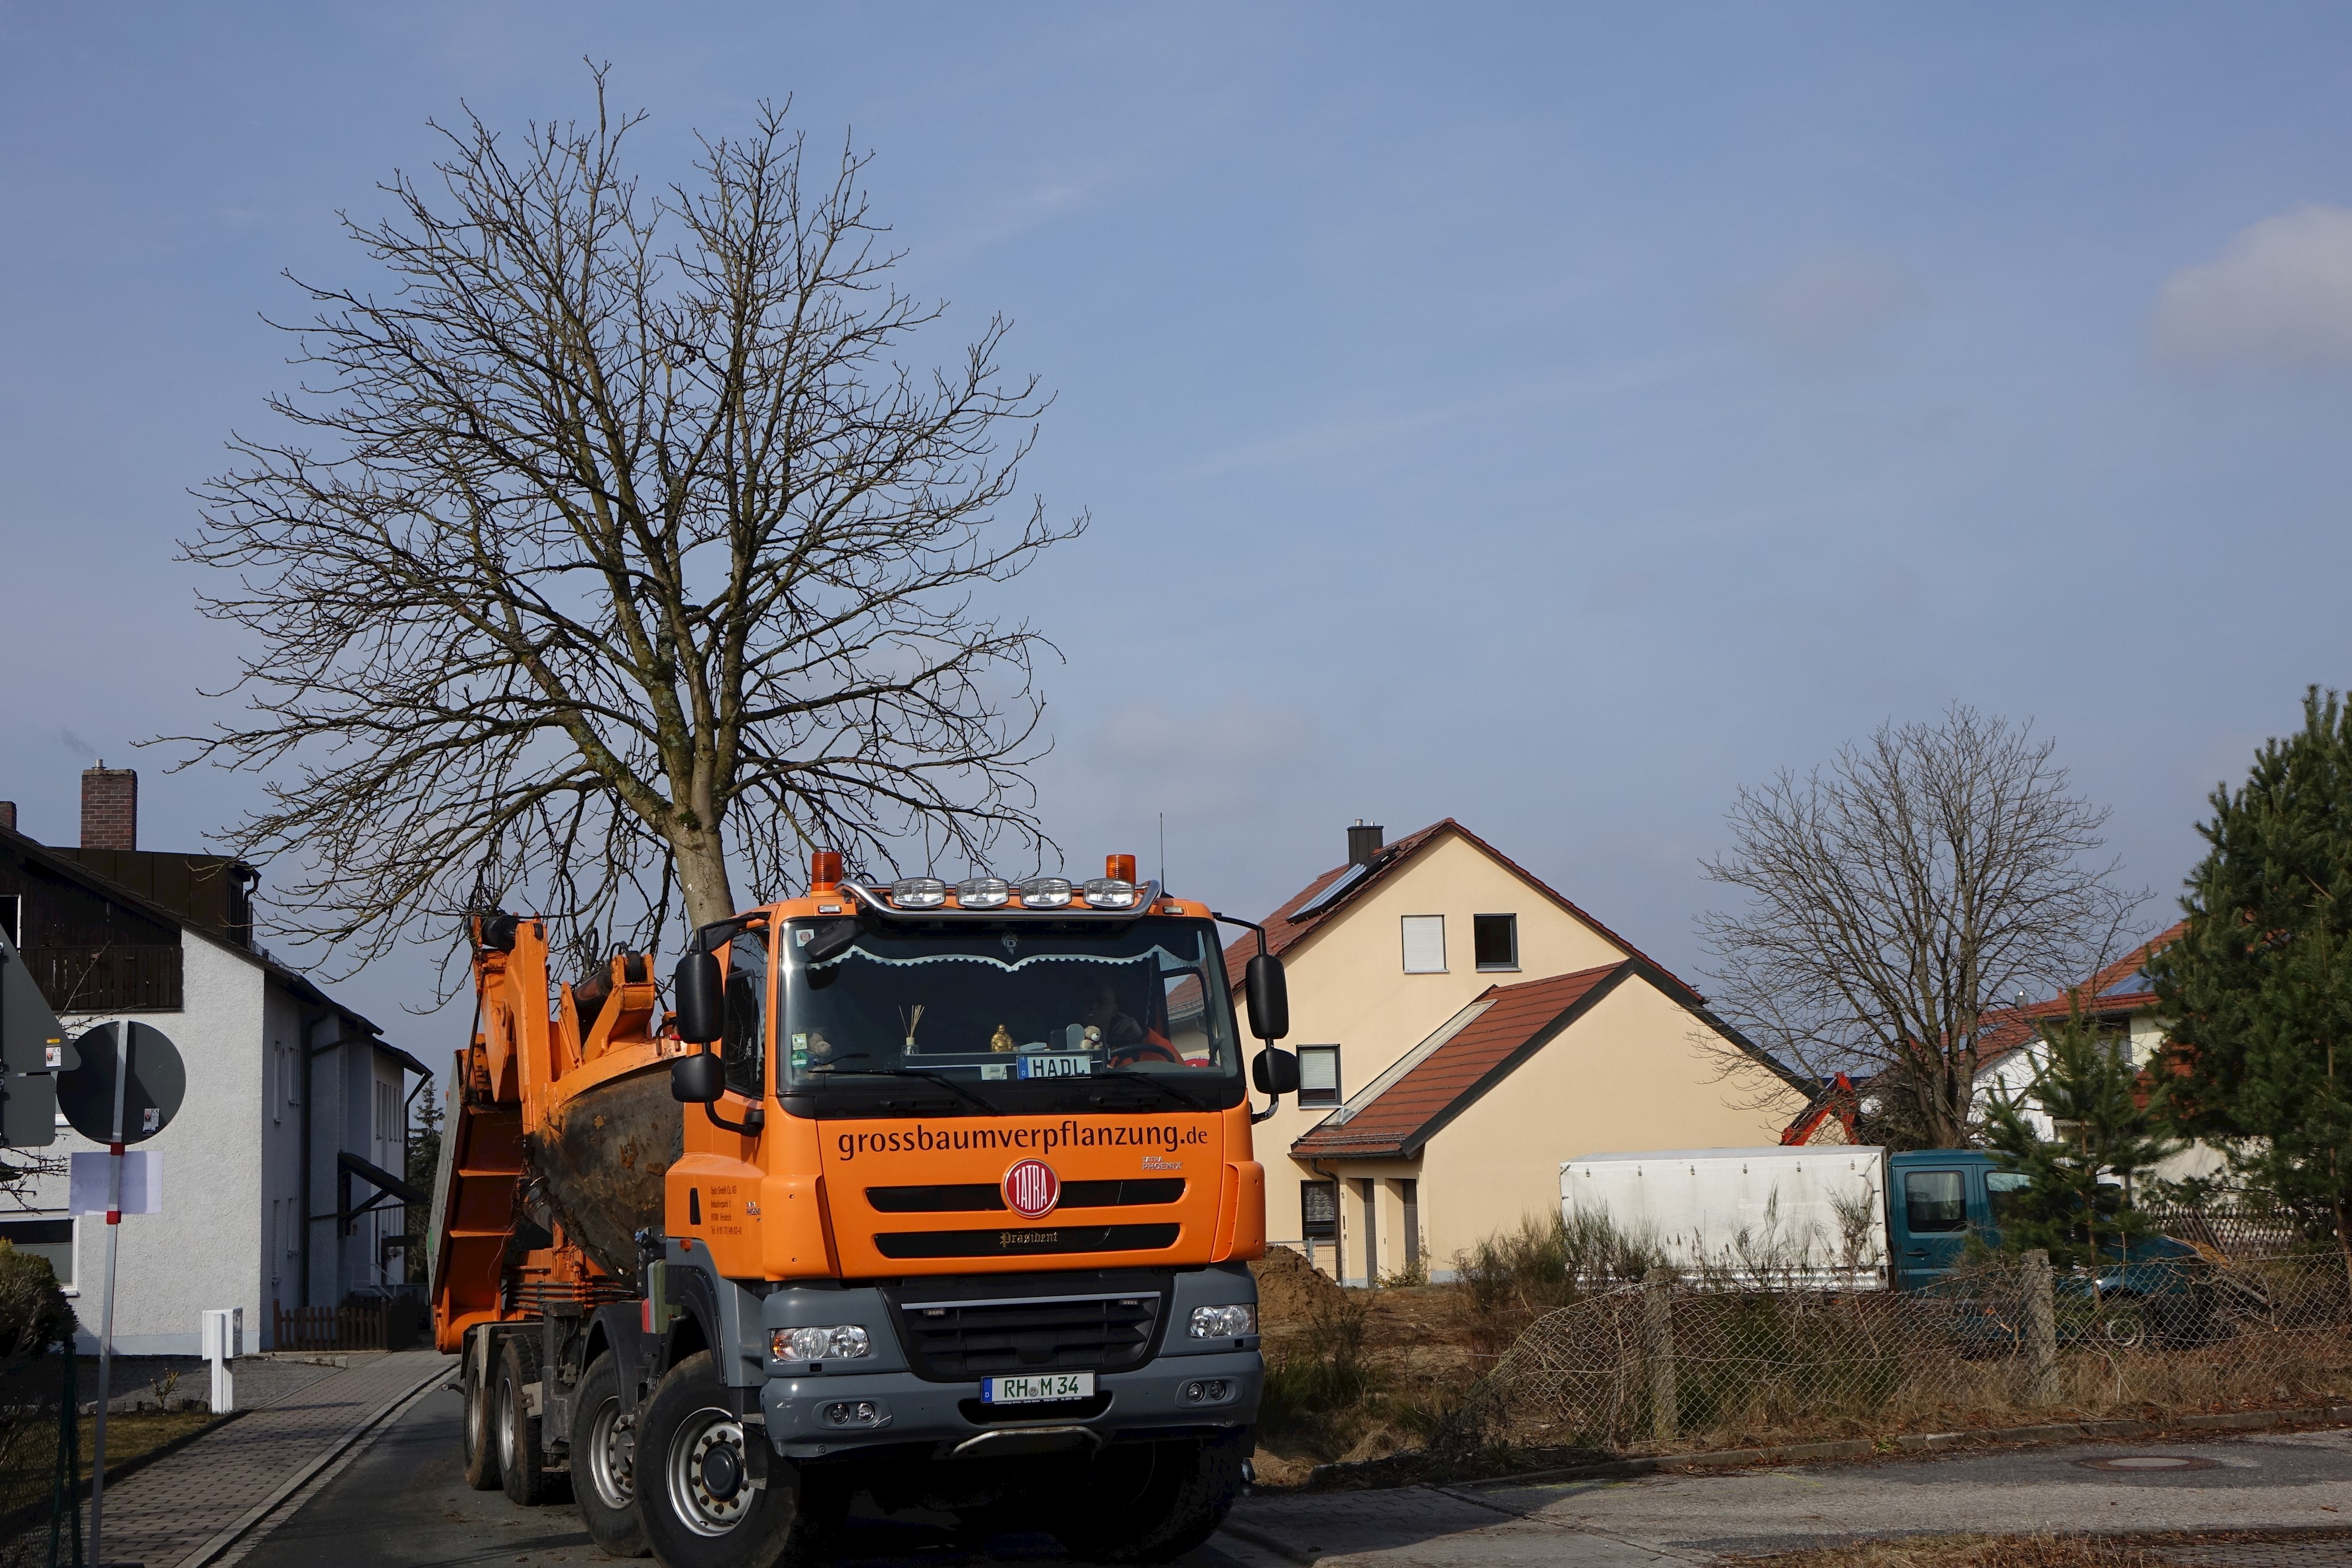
(941, 1079)
(1131, 1076)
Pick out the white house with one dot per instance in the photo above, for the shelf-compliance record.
(295, 1116)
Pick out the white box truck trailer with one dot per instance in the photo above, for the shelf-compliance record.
(1781, 1216)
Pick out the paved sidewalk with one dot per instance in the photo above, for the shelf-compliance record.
(176, 1507)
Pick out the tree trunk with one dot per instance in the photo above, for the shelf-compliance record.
(702, 876)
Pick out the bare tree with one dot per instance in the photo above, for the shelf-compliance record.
(1898, 903)
(614, 541)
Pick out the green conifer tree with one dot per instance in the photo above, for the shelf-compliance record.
(2258, 986)
(2076, 1204)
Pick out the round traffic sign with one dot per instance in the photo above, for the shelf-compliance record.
(151, 1088)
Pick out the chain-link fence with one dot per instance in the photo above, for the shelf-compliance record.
(42, 1467)
(1663, 1366)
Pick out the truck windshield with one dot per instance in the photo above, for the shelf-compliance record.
(1014, 1017)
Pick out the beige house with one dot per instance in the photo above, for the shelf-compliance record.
(1462, 1028)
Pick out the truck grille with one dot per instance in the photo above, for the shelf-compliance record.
(1069, 1322)
(1037, 1239)
(981, 1197)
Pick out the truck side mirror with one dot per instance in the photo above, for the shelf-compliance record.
(697, 1079)
(1275, 1072)
(1269, 997)
(701, 998)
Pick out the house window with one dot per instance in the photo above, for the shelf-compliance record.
(1425, 944)
(49, 1238)
(1318, 1210)
(276, 1088)
(1318, 1075)
(1495, 941)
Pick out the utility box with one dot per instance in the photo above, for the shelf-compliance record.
(222, 1332)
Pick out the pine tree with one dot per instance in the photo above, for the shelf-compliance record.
(424, 1168)
(2259, 987)
(2085, 1083)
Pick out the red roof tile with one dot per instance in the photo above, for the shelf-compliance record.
(2015, 1026)
(1517, 1020)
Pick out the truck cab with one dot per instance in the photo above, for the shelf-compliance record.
(1935, 1199)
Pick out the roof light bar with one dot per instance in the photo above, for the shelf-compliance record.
(1110, 892)
(918, 892)
(1046, 893)
(983, 892)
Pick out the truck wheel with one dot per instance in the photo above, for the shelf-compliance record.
(474, 1435)
(521, 1460)
(694, 1497)
(1147, 1503)
(604, 1442)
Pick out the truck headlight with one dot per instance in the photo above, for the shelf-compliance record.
(1223, 1322)
(845, 1342)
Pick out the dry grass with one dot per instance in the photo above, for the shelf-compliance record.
(1970, 1552)
(2153, 1551)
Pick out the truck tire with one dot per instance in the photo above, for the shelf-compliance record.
(604, 1442)
(693, 1500)
(521, 1460)
(1147, 1503)
(475, 1438)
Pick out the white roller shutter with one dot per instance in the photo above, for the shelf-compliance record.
(1425, 944)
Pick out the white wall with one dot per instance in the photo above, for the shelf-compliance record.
(203, 1250)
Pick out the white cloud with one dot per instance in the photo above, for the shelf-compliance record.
(2280, 295)
(1824, 307)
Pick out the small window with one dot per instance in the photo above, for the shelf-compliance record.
(1318, 1210)
(1425, 944)
(2003, 1190)
(1495, 941)
(49, 1238)
(1318, 1075)
(1934, 1201)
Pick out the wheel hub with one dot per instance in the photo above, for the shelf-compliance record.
(613, 1456)
(707, 1474)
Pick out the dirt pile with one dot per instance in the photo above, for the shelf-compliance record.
(1291, 1293)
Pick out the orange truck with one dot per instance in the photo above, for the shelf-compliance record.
(939, 1194)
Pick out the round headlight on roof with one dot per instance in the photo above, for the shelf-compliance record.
(1110, 892)
(983, 892)
(918, 892)
(1046, 893)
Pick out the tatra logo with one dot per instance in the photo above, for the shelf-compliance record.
(1030, 1189)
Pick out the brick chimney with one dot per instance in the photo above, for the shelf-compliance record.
(110, 808)
(1364, 840)
(8, 815)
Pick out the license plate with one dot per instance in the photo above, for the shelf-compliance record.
(1057, 1065)
(1037, 1390)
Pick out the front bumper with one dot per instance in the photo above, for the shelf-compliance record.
(908, 1409)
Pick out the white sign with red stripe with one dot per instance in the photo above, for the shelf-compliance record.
(1032, 1189)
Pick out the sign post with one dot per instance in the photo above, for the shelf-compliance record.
(125, 1090)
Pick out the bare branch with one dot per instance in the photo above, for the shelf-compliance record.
(612, 550)
(1898, 903)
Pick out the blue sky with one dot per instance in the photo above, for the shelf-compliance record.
(1549, 418)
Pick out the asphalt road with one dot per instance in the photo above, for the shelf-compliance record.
(404, 1503)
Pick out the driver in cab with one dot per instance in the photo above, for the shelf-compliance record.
(1123, 1041)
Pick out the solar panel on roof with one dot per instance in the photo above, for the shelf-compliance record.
(1323, 901)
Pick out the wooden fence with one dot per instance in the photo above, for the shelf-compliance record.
(355, 1326)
